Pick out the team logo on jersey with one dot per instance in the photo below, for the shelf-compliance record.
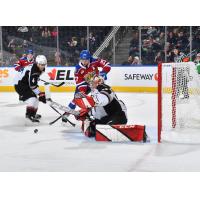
(82, 71)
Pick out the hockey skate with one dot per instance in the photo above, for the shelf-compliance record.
(31, 116)
(38, 116)
(31, 120)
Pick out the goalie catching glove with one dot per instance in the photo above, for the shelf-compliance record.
(83, 114)
(86, 103)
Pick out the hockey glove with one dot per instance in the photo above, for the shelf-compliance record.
(83, 114)
(42, 97)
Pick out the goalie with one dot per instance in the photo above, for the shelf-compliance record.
(103, 106)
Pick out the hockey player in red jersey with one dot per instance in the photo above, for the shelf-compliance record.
(87, 65)
(24, 61)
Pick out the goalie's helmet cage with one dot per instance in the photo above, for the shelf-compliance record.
(178, 98)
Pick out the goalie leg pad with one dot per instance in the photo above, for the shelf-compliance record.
(88, 128)
(121, 133)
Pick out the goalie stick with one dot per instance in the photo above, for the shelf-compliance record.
(61, 107)
(61, 115)
(46, 82)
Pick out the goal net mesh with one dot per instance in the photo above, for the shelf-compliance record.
(180, 99)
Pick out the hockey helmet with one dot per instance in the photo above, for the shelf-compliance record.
(85, 55)
(41, 60)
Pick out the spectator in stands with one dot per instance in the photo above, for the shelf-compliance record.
(134, 45)
(46, 33)
(197, 59)
(25, 44)
(92, 42)
(132, 61)
(12, 45)
(73, 42)
(159, 58)
(129, 61)
(171, 38)
(162, 39)
(92, 39)
(176, 55)
(83, 41)
(152, 31)
(54, 33)
(57, 58)
(182, 41)
(136, 61)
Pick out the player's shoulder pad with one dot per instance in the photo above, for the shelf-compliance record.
(105, 88)
(77, 68)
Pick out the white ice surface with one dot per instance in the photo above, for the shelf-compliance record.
(58, 148)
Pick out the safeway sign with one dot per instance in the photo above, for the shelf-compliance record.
(133, 76)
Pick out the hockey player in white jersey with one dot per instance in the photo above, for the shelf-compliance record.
(103, 105)
(26, 85)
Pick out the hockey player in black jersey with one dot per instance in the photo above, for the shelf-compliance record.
(26, 85)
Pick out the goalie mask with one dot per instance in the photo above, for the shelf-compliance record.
(93, 79)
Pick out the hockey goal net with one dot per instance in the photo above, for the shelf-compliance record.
(178, 102)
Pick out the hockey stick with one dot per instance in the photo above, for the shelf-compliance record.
(63, 108)
(50, 123)
(61, 115)
(46, 82)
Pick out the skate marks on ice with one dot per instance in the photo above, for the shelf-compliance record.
(83, 142)
(14, 125)
(168, 149)
(135, 166)
(187, 136)
(11, 105)
(3, 102)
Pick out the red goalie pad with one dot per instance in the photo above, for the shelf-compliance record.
(121, 133)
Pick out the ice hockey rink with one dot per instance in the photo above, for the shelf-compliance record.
(65, 148)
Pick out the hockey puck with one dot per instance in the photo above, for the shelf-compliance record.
(36, 130)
